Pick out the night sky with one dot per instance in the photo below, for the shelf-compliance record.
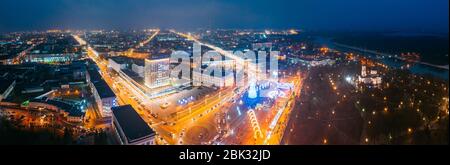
(347, 15)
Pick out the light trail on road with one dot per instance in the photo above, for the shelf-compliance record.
(131, 50)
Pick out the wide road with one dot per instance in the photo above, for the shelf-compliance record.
(274, 130)
(124, 90)
(130, 52)
(128, 93)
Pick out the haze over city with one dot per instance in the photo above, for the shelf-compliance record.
(335, 15)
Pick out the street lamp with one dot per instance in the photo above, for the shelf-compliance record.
(348, 79)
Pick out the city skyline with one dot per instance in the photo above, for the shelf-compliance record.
(402, 15)
(111, 72)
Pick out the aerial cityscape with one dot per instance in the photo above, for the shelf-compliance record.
(213, 82)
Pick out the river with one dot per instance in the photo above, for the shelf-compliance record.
(392, 61)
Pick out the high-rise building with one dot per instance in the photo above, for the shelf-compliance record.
(157, 71)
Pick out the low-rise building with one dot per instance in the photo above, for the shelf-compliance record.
(138, 67)
(323, 62)
(211, 80)
(52, 58)
(105, 98)
(118, 63)
(71, 112)
(130, 128)
(370, 78)
(262, 46)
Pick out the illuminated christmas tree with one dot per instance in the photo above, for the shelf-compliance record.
(252, 93)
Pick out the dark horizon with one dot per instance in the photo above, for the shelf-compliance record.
(320, 15)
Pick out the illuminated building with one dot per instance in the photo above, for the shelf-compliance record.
(363, 71)
(105, 98)
(69, 111)
(221, 64)
(130, 128)
(52, 58)
(157, 71)
(183, 68)
(372, 79)
(322, 62)
(262, 46)
(6, 59)
(117, 63)
(211, 80)
(138, 67)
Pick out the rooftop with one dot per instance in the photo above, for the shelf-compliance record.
(139, 62)
(69, 108)
(133, 126)
(103, 89)
(159, 56)
(94, 75)
(101, 86)
(4, 84)
(121, 59)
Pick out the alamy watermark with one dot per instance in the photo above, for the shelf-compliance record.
(223, 68)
